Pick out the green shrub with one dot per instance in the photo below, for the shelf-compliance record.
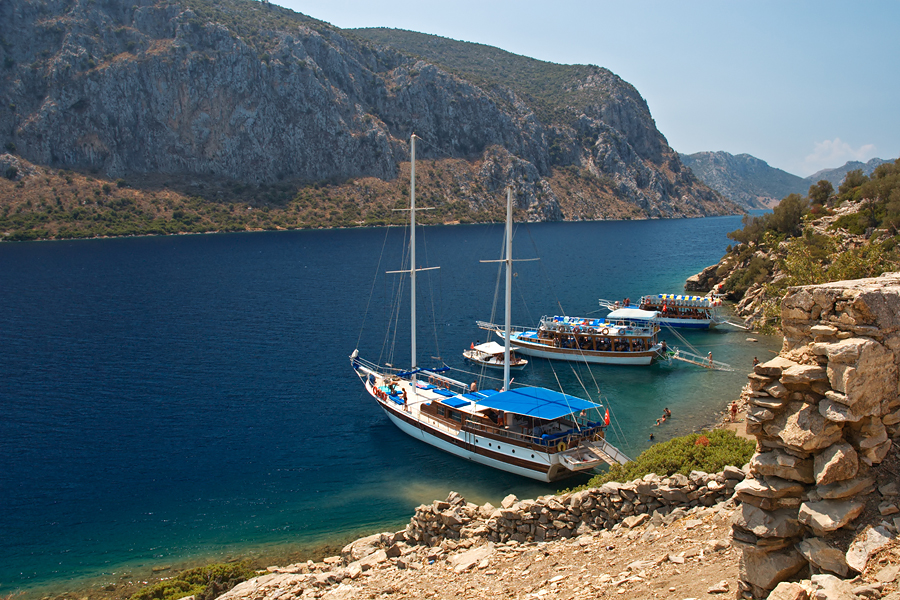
(758, 270)
(683, 455)
(205, 583)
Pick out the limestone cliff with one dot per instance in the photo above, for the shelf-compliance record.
(256, 94)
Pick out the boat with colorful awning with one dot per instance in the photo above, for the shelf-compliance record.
(677, 310)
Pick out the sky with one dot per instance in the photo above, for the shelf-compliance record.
(801, 85)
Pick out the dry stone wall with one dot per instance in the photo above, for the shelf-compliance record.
(824, 413)
(568, 515)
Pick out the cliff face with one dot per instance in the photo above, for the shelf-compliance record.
(250, 92)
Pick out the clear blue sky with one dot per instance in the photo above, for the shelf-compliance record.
(802, 85)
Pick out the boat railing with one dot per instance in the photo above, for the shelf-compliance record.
(571, 438)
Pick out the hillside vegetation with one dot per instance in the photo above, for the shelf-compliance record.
(230, 115)
(829, 235)
(535, 82)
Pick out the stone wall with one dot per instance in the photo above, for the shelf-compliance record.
(568, 515)
(823, 413)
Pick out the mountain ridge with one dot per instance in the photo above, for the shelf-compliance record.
(836, 175)
(744, 179)
(752, 183)
(210, 96)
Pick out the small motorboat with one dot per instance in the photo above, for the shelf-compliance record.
(490, 354)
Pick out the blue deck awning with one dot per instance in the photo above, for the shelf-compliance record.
(537, 402)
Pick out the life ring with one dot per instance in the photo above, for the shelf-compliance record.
(561, 447)
(604, 331)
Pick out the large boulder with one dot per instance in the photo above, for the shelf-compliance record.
(826, 516)
(836, 463)
(802, 426)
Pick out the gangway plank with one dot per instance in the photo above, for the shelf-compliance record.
(700, 361)
(608, 453)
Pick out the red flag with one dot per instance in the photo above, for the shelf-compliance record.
(606, 418)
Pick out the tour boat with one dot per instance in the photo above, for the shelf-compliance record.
(534, 432)
(490, 354)
(677, 310)
(626, 338)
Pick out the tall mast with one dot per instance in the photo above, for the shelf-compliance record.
(508, 261)
(412, 252)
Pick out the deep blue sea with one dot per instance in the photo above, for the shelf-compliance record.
(167, 400)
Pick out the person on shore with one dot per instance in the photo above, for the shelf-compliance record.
(733, 411)
(755, 361)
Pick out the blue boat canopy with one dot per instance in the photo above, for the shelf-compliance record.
(537, 402)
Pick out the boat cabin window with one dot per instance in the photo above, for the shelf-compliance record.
(441, 411)
(456, 416)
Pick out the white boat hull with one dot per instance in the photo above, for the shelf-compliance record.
(494, 365)
(686, 323)
(543, 471)
(583, 356)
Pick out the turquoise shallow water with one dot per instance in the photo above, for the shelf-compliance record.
(190, 398)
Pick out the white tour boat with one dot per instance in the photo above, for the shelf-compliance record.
(626, 338)
(535, 432)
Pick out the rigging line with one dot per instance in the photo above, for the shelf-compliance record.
(561, 391)
(483, 376)
(581, 383)
(437, 345)
(398, 299)
(548, 283)
(618, 431)
(682, 338)
(372, 289)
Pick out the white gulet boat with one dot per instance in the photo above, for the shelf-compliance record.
(535, 432)
(619, 339)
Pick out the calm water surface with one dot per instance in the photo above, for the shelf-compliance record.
(180, 398)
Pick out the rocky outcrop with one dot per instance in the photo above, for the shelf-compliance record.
(824, 414)
(254, 93)
(677, 552)
(753, 303)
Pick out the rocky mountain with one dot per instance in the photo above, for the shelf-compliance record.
(836, 176)
(226, 94)
(744, 179)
